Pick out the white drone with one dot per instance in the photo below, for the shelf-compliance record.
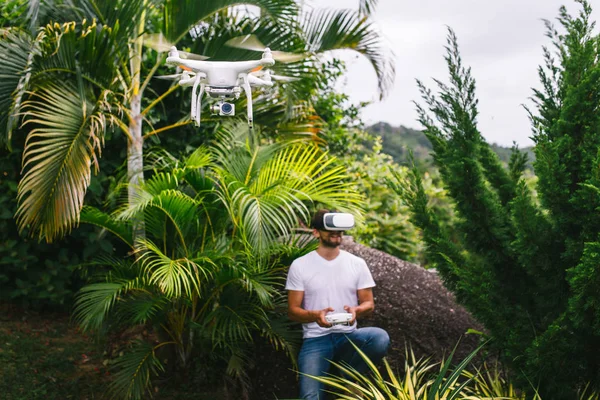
(223, 80)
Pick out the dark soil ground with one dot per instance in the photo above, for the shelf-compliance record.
(44, 356)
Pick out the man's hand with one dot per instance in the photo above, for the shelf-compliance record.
(321, 321)
(351, 310)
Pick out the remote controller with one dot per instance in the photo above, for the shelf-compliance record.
(339, 318)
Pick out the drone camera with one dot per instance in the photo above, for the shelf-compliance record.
(223, 109)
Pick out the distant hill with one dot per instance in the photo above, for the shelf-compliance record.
(397, 141)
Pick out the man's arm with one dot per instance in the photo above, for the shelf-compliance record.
(366, 304)
(298, 314)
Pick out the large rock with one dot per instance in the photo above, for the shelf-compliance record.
(415, 308)
(411, 304)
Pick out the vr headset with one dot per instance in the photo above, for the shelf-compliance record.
(335, 222)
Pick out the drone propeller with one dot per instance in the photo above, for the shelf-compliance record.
(283, 78)
(157, 42)
(173, 77)
(266, 74)
(251, 42)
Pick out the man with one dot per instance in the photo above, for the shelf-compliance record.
(324, 281)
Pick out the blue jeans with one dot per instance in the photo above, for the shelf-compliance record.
(316, 352)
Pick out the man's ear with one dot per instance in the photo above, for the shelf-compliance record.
(316, 233)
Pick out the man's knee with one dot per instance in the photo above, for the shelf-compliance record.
(381, 340)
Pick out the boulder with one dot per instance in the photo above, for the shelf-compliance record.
(414, 307)
(411, 304)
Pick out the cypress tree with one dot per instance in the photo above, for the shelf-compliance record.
(527, 266)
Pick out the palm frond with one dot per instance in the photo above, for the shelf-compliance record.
(262, 284)
(95, 301)
(328, 30)
(159, 159)
(161, 182)
(281, 335)
(366, 7)
(266, 189)
(234, 318)
(134, 371)
(81, 50)
(119, 15)
(33, 13)
(121, 229)
(169, 212)
(174, 277)
(181, 15)
(58, 157)
(142, 306)
(17, 52)
(200, 158)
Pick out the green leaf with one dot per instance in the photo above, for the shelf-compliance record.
(134, 370)
(17, 51)
(330, 29)
(122, 229)
(58, 156)
(181, 15)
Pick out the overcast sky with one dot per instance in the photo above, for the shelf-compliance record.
(501, 40)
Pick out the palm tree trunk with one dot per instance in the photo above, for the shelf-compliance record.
(135, 155)
(135, 160)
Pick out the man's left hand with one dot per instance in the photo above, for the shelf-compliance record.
(351, 310)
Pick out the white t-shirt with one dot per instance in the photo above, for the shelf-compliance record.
(328, 284)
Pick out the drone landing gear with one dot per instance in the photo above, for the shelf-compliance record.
(248, 91)
(196, 99)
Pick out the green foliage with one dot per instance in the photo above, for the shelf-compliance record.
(418, 383)
(88, 55)
(421, 381)
(81, 63)
(526, 269)
(36, 274)
(13, 13)
(386, 224)
(206, 276)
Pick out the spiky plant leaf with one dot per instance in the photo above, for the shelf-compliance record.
(366, 7)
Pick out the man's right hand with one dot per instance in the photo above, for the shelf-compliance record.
(321, 321)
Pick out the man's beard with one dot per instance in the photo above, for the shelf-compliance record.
(330, 244)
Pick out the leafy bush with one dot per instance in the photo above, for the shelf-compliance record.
(206, 275)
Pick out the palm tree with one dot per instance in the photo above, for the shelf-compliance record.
(72, 82)
(207, 273)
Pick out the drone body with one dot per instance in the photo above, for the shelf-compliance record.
(222, 80)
